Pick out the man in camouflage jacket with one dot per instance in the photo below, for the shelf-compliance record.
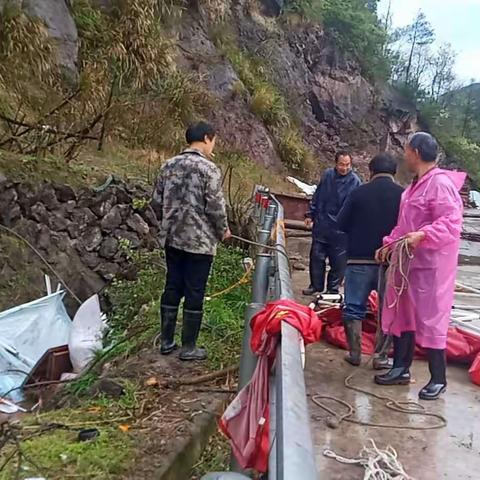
(189, 203)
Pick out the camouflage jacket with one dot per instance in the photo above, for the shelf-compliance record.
(189, 203)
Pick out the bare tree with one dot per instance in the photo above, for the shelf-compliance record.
(417, 37)
(442, 67)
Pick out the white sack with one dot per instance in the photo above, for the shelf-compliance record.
(86, 334)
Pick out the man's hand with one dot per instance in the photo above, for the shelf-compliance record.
(414, 239)
(308, 223)
(227, 235)
(381, 255)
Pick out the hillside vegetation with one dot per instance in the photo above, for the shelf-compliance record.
(285, 87)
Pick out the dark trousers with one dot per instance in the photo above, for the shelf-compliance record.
(404, 350)
(333, 248)
(187, 276)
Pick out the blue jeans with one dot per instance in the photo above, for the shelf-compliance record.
(360, 280)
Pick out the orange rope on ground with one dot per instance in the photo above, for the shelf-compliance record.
(244, 280)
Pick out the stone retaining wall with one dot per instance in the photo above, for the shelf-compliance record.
(84, 234)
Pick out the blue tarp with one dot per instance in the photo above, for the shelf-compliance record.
(26, 333)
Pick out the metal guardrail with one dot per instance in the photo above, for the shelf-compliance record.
(291, 449)
(292, 454)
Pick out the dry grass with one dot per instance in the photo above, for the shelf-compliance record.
(266, 100)
(130, 90)
(25, 49)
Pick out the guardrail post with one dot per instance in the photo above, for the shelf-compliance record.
(263, 235)
(248, 360)
(269, 219)
(224, 476)
(291, 450)
(260, 278)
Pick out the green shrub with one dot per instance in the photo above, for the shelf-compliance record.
(311, 10)
(292, 149)
(466, 153)
(183, 94)
(353, 26)
(268, 104)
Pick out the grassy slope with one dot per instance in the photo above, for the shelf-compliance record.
(56, 454)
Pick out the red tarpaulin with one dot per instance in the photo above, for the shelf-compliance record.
(462, 347)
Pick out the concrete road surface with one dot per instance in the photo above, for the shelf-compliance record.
(451, 453)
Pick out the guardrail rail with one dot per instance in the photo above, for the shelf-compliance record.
(291, 454)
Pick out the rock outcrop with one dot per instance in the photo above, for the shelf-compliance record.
(61, 28)
(334, 105)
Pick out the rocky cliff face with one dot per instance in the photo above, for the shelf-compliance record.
(333, 105)
(324, 101)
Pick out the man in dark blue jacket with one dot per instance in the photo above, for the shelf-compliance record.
(327, 241)
(369, 214)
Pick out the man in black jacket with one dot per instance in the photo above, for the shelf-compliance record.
(369, 214)
(327, 241)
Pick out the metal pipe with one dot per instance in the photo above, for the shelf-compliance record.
(260, 278)
(248, 363)
(248, 360)
(224, 476)
(263, 236)
(294, 457)
(269, 218)
(294, 446)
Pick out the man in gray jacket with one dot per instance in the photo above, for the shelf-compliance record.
(189, 203)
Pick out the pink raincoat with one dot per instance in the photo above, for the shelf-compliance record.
(432, 205)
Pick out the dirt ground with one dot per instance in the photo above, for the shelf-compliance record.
(447, 453)
(161, 417)
(167, 412)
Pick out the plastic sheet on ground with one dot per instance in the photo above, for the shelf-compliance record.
(27, 332)
(462, 347)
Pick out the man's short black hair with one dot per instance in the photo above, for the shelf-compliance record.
(198, 131)
(383, 163)
(426, 145)
(342, 153)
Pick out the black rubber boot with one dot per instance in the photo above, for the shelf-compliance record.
(438, 383)
(310, 291)
(403, 350)
(395, 376)
(192, 322)
(168, 321)
(353, 332)
(408, 339)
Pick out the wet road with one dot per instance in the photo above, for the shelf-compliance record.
(450, 453)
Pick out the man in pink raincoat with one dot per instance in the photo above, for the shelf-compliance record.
(430, 219)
